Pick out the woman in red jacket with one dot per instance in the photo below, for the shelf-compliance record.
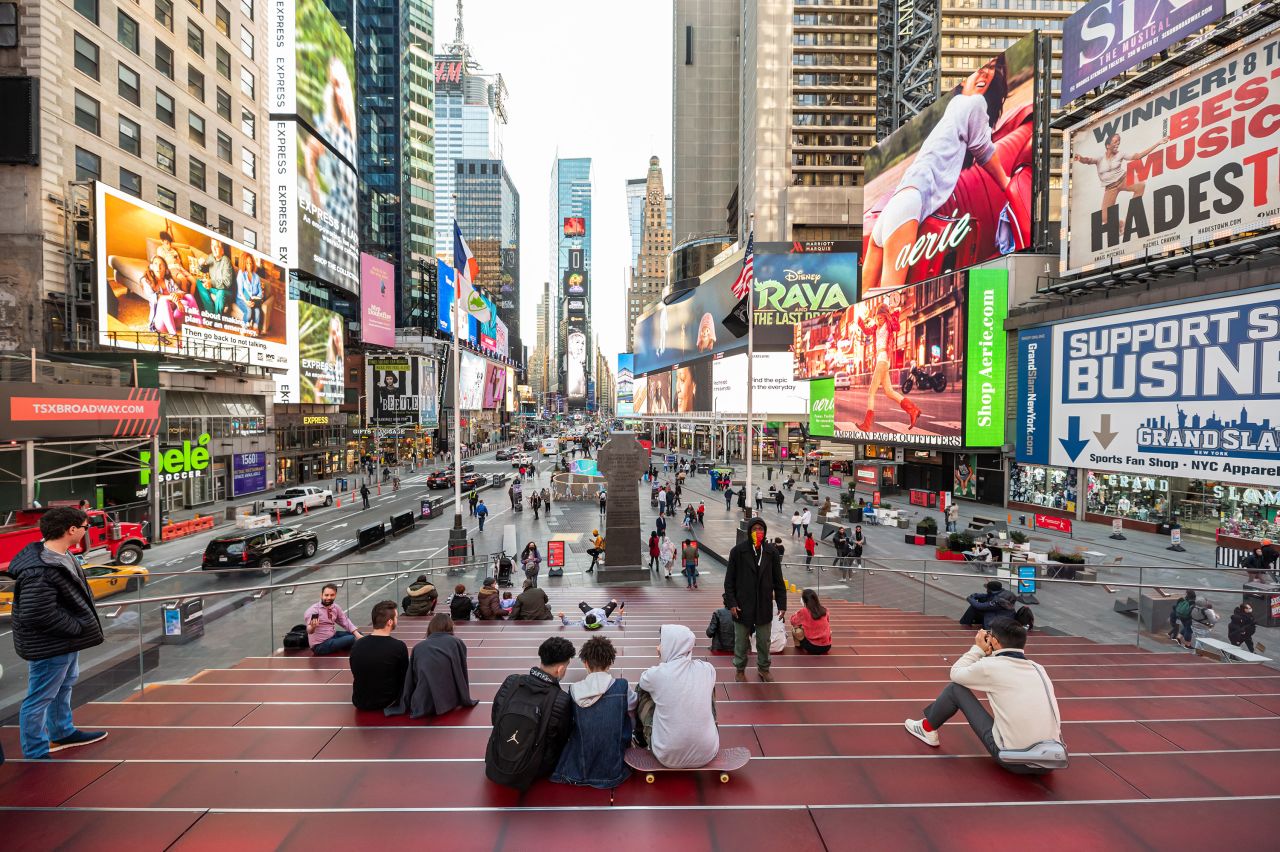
(811, 626)
(809, 547)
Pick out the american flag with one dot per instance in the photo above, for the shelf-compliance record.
(742, 285)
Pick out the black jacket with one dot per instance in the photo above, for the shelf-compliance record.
(721, 630)
(461, 607)
(53, 612)
(558, 728)
(1001, 604)
(753, 583)
(1242, 625)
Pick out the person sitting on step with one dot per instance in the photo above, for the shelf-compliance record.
(602, 723)
(676, 703)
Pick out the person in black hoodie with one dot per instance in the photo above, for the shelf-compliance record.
(984, 608)
(532, 720)
(54, 619)
(752, 585)
(1240, 630)
(720, 630)
(460, 604)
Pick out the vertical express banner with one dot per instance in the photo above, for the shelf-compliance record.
(822, 408)
(985, 387)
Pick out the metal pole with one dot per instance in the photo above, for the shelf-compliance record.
(156, 521)
(29, 473)
(458, 313)
(751, 355)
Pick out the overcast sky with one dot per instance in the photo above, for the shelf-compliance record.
(593, 80)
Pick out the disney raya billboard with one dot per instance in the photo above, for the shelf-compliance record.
(798, 281)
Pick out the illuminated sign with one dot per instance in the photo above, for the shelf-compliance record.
(449, 72)
(175, 463)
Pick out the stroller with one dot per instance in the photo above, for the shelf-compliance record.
(502, 570)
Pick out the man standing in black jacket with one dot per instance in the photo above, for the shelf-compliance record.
(532, 720)
(53, 620)
(752, 584)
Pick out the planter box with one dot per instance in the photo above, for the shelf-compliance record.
(948, 556)
(917, 539)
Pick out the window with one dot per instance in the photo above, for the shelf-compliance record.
(128, 85)
(167, 199)
(224, 189)
(88, 166)
(164, 59)
(222, 20)
(199, 214)
(223, 101)
(247, 122)
(195, 38)
(225, 226)
(246, 41)
(246, 6)
(248, 163)
(198, 4)
(166, 156)
(88, 8)
(88, 113)
(248, 201)
(86, 56)
(9, 24)
(224, 147)
(222, 60)
(131, 136)
(195, 173)
(131, 182)
(195, 83)
(127, 31)
(250, 238)
(164, 13)
(165, 108)
(246, 82)
(195, 128)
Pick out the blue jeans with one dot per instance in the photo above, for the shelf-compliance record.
(341, 640)
(46, 711)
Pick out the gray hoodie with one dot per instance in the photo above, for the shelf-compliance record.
(589, 690)
(684, 722)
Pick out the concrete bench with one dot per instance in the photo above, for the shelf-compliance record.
(982, 523)
(1227, 652)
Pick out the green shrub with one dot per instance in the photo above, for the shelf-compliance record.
(1018, 537)
(927, 526)
(960, 542)
(1065, 558)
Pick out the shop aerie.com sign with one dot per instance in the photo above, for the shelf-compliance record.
(176, 463)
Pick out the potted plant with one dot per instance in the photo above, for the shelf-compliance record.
(926, 532)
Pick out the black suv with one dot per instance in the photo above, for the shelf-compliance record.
(260, 548)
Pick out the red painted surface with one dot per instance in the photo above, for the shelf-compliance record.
(128, 831)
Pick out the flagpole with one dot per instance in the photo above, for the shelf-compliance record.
(457, 413)
(751, 350)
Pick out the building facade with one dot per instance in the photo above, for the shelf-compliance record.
(570, 206)
(649, 273)
(488, 210)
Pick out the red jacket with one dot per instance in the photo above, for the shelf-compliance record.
(817, 631)
(809, 545)
(654, 548)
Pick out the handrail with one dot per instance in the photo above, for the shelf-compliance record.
(1093, 565)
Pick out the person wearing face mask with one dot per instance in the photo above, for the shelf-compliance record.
(753, 585)
(323, 620)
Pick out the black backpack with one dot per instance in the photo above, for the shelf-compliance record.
(296, 638)
(516, 746)
(1025, 617)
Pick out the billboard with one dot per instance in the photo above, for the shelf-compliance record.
(985, 358)
(450, 73)
(471, 389)
(692, 387)
(1105, 38)
(377, 301)
(822, 408)
(1184, 389)
(625, 385)
(393, 388)
(495, 386)
(774, 388)
(689, 327)
(32, 411)
(445, 295)
(312, 62)
(575, 282)
(429, 394)
(248, 473)
(487, 330)
(168, 285)
(321, 370)
(652, 393)
(897, 361)
(798, 281)
(509, 279)
(575, 226)
(511, 390)
(576, 364)
(952, 187)
(1188, 161)
(313, 207)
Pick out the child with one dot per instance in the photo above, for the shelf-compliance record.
(508, 601)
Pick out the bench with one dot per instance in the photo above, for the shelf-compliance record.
(979, 524)
(1227, 652)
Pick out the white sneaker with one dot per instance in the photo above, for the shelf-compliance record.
(916, 729)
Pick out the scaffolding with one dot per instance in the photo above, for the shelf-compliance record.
(908, 60)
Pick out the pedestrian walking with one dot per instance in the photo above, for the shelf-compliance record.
(536, 503)
(471, 502)
(759, 499)
(809, 547)
(728, 498)
(795, 524)
(482, 512)
(655, 550)
(702, 510)
(602, 497)
(660, 524)
(806, 518)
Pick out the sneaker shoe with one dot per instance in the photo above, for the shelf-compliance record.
(78, 738)
(916, 729)
(740, 677)
(765, 676)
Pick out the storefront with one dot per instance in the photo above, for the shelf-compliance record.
(227, 426)
(311, 446)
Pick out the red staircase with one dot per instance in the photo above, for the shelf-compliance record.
(270, 754)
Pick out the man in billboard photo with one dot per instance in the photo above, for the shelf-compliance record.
(1113, 171)
(219, 274)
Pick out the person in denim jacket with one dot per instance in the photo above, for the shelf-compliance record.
(602, 708)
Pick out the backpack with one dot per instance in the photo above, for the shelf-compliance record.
(296, 638)
(1025, 617)
(555, 572)
(514, 754)
(1183, 608)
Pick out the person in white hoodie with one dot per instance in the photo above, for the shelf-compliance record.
(602, 711)
(676, 706)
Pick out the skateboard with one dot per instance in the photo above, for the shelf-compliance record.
(726, 760)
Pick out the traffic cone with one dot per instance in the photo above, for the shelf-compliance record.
(339, 498)
(306, 510)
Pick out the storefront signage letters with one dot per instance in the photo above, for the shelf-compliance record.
(175, 463)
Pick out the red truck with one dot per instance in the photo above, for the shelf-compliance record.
(124, 542)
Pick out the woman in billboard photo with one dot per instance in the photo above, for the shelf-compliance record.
(903, 237)
(882, 327)
(250, 293)
(168, 299)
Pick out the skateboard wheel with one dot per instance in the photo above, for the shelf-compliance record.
(724, 777)
(648, 779)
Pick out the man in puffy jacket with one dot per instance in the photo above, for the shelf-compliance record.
(752, 585)
(531, 605)
(720, 630)
(421, 597)
(984, 608)
(54, 618)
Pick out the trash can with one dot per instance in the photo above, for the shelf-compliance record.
(855, 515)
(1265, 600)
(183, 621)
(428, 507)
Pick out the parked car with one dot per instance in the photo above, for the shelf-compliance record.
(261, 548)
(104, 581)
(298, 500)
(473, 480)
(520, 458)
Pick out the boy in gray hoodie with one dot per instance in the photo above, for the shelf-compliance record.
(676, 703)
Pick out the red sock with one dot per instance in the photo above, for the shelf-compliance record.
(924, 723)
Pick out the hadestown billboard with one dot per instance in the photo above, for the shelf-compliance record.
(1187, 389)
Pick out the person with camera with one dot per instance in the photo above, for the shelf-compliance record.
(1024, 710)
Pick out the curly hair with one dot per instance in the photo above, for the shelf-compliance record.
(597, 653)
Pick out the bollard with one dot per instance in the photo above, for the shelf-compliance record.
(473, 546)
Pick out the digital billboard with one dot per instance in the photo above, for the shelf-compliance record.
(625, 385)
(511, 390)
(429, 384)
(653, 393)
(822, 408)
(774, 388)
(1186, 162)
(797, 281)
(1105, 38)
(952, 187)
(576, 364)
(692, 387)
(640, 395)
(575, 282)
(1185, 389)
(487, 331)
(321, 368)
(313, 207)
(168, 285)
(575, 226)
(312, 62)
(393, 389)
(377, 301)
(495, 386)
(988, 307)
(471, 389)
(445, 295)
(689, 327)
(898, 363)
(36, 412)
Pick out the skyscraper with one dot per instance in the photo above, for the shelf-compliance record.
(488, 208)
(649, 274)
(570, 206)
(635, 213)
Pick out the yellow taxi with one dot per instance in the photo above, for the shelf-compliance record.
(104, 581)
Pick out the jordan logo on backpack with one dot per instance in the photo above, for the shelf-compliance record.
(514, 738)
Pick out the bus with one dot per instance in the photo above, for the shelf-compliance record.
(550, 446)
